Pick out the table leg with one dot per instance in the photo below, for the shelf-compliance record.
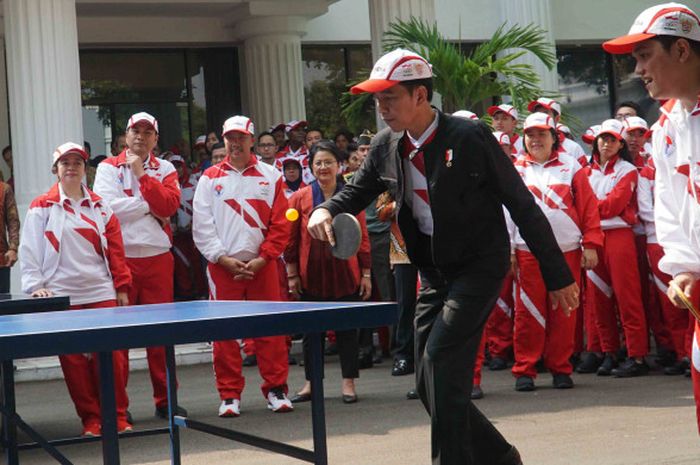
(9, 428)
(108, 406)
(172, 405)
(318, 413)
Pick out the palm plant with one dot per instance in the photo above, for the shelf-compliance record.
(465, 80)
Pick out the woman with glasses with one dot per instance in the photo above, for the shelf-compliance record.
(333, 279)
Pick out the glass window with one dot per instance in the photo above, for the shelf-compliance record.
(583, 83)
(327, 69)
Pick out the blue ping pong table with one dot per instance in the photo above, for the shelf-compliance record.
(105, 330)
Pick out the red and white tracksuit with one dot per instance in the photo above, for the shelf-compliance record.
(189, 275)
(616, 278)
(676, 152)
(561, 189)
(302, 156)
(675, 321)
(144, 207)
(75, 249)
(241, 214)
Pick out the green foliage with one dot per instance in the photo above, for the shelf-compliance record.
(465, 80)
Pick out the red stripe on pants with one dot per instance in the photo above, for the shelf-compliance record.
(616, 270)
(82, 379)
(479, 361)
(675, 319)
(652, 306)
(541, 331)
(271, 352)
(152, 283)
(499, 326)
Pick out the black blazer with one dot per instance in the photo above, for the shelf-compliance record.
(466, 197)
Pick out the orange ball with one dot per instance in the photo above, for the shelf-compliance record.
(292, 214)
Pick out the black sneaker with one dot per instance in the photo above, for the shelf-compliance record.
(524, 384)
(665, 357)
(402, 367)
(477, 392)
(412, 394)
(630, 368)
(606, 368)
(678, 368)
(562, 381)
(497, 364)
(250, 361)
(589, 364)
(162, 412)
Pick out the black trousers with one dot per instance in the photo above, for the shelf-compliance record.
(347, 342)
(449, 324)
(4, 280)
(405, 277)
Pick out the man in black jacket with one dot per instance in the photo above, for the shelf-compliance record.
(450, 179)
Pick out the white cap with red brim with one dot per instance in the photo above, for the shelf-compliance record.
(613, 127)
(68, 148)
(563, 128)
(538, 121)
(548, 103)
(465, 114)
(200, 141)
(239, 124)
(295, 124)
(633, 123)
(142, 117)
(502, 137)
(396, 66)
(591, 133)
(505, 108)
(666, 19)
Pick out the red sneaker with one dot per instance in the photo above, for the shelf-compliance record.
(92, 430)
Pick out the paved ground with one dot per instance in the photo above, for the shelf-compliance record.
(601, 422)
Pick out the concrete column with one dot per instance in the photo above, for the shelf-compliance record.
(538, 12)
(274, 75)
(43, 80)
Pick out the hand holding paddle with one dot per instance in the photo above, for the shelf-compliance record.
(320, 226)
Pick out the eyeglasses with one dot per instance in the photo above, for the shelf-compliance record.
(267, 146)
(324, 164)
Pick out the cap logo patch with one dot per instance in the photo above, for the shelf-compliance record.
(686, 24)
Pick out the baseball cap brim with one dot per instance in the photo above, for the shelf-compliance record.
(537, 126)
(372, 85)
(626, 44)
(612, 133)
(492, 110)
(588, 139)
(144, 121)
(83, 154)
(242, 131)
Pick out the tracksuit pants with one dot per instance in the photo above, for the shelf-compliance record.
(499, 326)
(675, 319)
(695, 357)
(81, 372)
(450, 317)
(540, 331)
(480, 357)
(271, 352)
(652, 305)
(152, 283)
(189, 275)
(616, 281)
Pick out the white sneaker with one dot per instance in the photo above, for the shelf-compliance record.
(230, 408)
(277, 401)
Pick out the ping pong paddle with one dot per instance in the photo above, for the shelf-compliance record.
(348, 235)
(684, 299)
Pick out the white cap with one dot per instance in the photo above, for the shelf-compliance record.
(465, 114)
(538, 120)
(591, 133)
(294, 124)
(176, 159)
(505, 108)
(548, 103)
(139, 117)
(564, 129)
(666, 19)
(502, 137)
(613, 127)
(69, 147)
(394, 67)
(635, 122)
(201, 140)
(240, 124)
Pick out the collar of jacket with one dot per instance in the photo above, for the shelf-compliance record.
(54, 195)
(152, 162)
